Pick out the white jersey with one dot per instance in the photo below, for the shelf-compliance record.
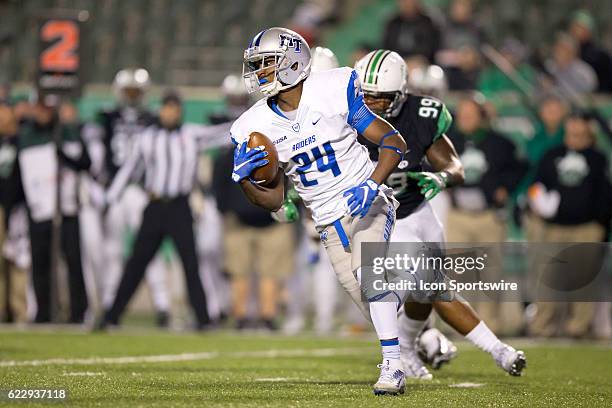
(318, 150)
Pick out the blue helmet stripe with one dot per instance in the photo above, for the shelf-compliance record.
(257, 38)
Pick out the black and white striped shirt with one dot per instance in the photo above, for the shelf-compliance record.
(170, 158)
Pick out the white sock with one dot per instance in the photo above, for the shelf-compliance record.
(390, 349)
(483, 338)
(384, 318)
(383, 313)
(409, 330)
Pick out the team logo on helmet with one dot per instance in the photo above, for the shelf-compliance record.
(290, 42)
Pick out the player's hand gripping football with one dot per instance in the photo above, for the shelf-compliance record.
(245, 162)
(431, 183)
(361, 197)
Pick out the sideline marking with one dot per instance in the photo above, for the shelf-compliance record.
(168, 358)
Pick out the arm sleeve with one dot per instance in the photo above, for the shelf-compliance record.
(124, 174)
(359, 115)
(429, 129)
(445, 119)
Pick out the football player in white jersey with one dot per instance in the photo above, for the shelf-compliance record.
(423, 121)
(313, 121)
(313, 269)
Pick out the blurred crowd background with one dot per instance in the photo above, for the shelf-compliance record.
(537, 74)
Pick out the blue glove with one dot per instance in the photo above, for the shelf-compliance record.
(361, 197)
(247, 161)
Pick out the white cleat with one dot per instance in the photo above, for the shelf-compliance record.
(413, 366)
(435, 349)
(509, 359)
(391, 380)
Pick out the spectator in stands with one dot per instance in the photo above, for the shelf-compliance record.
(464, 75)
(13, 281)
(493, 80)
(549, 129)
(254, 244)
(412, 32)
(581, 28)
(492, 173)
(460, 31)
(570, 75)
(461, 42)
(570, 195)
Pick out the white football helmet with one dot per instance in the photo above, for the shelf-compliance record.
(383, 74)
(323, 59)
(280, 49)
(131, 78)
(428, 80)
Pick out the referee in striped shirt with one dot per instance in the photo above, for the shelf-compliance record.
(169, 153)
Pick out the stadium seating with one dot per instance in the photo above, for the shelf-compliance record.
(186, 42)
(177, 40)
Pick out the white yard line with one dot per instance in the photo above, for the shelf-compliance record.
(83, 374)
(207, 355)
(276, 379)
(466, 385)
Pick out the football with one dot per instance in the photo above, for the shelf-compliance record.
(266, 174)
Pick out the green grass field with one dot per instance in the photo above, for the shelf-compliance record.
(152, 368)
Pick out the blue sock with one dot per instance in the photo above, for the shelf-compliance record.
(390, 349)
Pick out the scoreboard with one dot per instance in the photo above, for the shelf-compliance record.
(60, 59)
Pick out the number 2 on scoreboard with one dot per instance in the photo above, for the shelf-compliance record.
(60, 56)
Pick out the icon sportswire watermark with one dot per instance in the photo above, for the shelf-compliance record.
(515, 271)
